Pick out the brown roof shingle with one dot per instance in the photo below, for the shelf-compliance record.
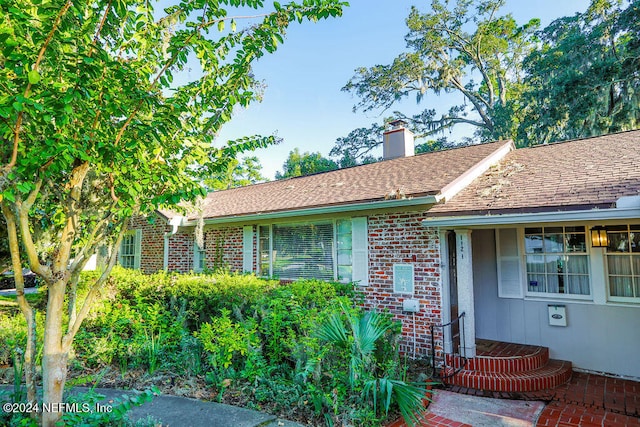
(578, 174)
(421, 175)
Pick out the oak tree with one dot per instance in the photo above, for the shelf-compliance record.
(302, 164)
(465, 47)
(584, 78)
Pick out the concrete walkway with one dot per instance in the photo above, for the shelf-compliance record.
(181, 411)
(174, 411)
(484, 412)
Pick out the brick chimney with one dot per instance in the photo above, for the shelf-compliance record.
(397, 141)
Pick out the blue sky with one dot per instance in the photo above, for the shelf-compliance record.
(303, 103)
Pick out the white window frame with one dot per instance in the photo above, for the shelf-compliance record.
(620, 299)
(137, 249)
(523, 263)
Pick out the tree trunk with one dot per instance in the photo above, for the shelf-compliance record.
(54, 358)
(30, 359)
(28, 311)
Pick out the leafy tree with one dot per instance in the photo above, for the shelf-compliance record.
(462, 47)
(305, 164)
(236, 173)
(355, 148)
(584, 79)
(94, 130)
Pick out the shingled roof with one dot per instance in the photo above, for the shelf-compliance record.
(416, 176)
(579, 174)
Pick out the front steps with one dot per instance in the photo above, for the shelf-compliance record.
(507, 367)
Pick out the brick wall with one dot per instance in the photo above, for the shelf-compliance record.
(224, 246)
(181, 251)
(152, 245)
(401, 238)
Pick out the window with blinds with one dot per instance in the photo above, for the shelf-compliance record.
(303, 251)
(319, 250)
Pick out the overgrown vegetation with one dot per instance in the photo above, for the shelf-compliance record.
(304, 350)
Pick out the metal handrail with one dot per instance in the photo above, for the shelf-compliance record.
(462, 346)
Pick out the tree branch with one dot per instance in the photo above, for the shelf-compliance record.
(74, 326)
(17, 128)
(27, 239)
(74, 185)
(475, 100)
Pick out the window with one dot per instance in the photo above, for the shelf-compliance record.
(130, 249)
(319, 250)
(199, 258)
(344, 250)
(556, 260)
(623, 262)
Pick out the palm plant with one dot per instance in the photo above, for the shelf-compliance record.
(360, 334)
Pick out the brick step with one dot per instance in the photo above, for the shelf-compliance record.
(520, 358)
(551, 375)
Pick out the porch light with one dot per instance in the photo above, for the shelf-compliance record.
(599, 237)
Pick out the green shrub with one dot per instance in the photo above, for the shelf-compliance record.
(288, 313)
(227, 342)
(305, 346)
(13, 333)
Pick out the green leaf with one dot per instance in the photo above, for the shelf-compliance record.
(34, 77)
(220, 26)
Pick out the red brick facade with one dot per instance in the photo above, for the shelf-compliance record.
(223, 247)
(393, 238)
(181, 251)
(401, 238)
(152, 244)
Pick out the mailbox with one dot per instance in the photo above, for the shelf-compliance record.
(557, 315)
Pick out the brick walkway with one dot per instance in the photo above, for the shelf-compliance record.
(587, 400)
(593, 400)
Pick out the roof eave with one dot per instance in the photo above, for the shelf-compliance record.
(383, 204)
(534, 217)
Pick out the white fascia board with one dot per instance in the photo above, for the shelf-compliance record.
(458, 184)
(366, 206)
(540, 217)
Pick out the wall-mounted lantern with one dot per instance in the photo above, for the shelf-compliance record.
(599, 237)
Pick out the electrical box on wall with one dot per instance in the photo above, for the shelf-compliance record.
(411, 305)
(557, 315)
(403, 278)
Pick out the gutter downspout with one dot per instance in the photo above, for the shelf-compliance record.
(175, 223)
